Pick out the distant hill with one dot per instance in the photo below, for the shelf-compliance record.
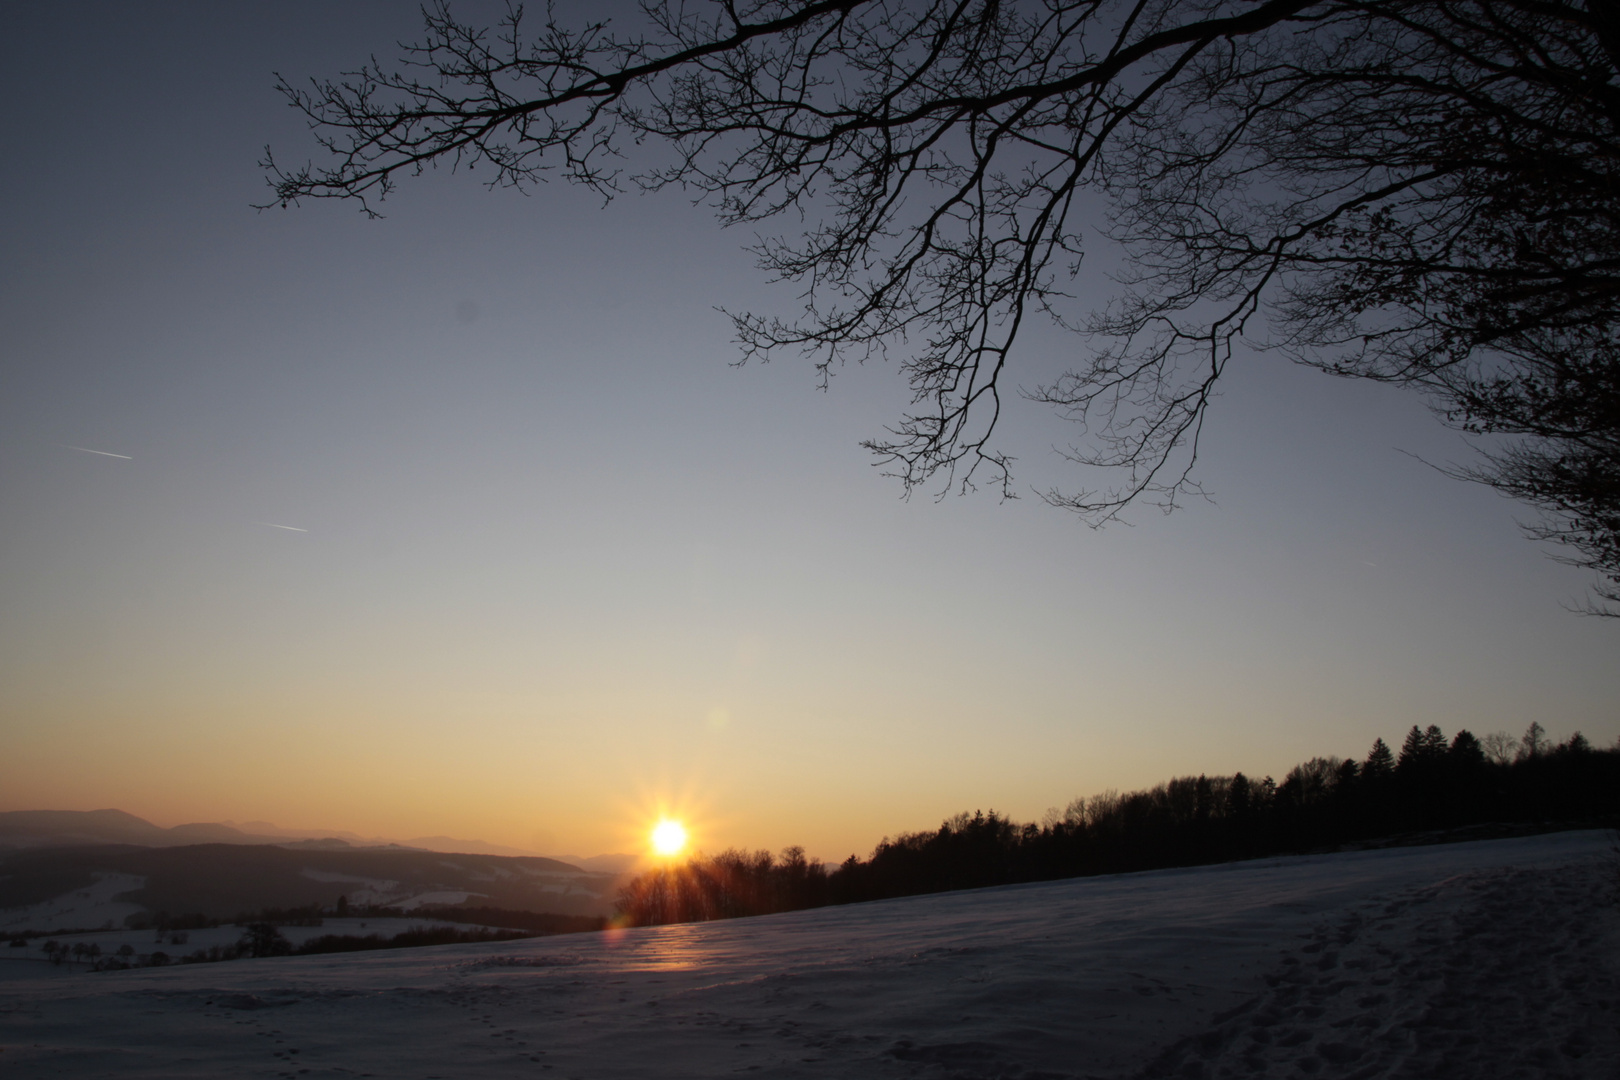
(474, 847)
(617, 863)
(52, 887)
(69, 828)
(425, 843)
(60, 828)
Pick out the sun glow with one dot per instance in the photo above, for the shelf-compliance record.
(668, 837)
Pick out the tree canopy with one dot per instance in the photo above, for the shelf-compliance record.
(1419, 192)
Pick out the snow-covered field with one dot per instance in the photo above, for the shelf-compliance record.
(176, 943)
(1489, 959)
(97, 905)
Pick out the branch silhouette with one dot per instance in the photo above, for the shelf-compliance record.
(1411, 191)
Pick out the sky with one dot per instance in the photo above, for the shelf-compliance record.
(463, 522)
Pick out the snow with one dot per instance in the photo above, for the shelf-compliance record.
(445, 897)
(386, 893)
(176, 943)
(96, 905)
(1493, 958)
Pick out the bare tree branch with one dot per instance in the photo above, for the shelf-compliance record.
(1414, 191)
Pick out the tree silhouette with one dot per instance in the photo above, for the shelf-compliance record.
(1466, 749)
(1322, 804)
(1421, 752)
(263, 939)
(1412, 191)
(1500, 747)
(1380, 762)
(1534, 742)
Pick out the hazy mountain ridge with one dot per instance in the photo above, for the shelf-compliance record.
(22, 829)
(424, 843)
(59, 828)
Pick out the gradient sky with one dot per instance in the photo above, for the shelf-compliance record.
(564, 564)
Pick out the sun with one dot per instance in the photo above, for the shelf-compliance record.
(668, 837)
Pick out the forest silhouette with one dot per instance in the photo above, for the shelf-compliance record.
(1432, 790)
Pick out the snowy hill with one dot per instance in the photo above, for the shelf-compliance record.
(1492, 958)
(84, 887)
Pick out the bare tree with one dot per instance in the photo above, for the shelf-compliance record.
(1414, 191)
(1533, 743)
(1500, 747)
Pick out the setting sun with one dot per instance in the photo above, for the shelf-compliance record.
(668, 837)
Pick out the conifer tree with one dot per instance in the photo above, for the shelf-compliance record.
(1466, 749)
(1238, 796)
(1412, 752)
(1380, 762)
(1433, 746)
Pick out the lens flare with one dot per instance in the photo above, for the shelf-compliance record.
(668, 837)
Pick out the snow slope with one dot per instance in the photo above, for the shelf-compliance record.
(55, 889)
(97, 904)
(1494, 958)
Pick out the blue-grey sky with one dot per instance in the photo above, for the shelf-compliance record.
(564, 565)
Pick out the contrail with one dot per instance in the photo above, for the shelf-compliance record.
(289, 528)
(87, 450)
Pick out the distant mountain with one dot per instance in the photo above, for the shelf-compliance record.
(618, 863)
(265, 828)
(48, 888)
(62, 828)
(424, 843)
(474, 847)
(21, 829)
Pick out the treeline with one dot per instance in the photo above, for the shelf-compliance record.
(541, 922)
(1321, 804)
(262, 936)
(265, 939)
